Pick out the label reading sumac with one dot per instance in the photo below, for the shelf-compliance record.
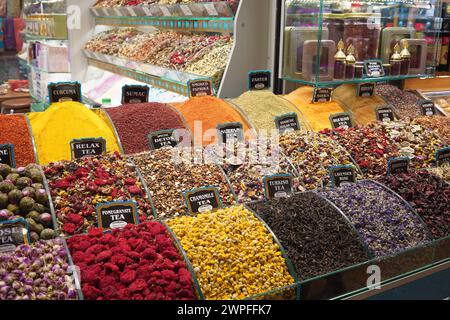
(278, 186)
(428, 108)
(66, 91)
(87, 147)
(385, 114)
(12, 234)
(398, 165)
(342, 175)
(7, 155)
(200, 88)
(443, 156)
(162, 139)
(287, 122)
(203, 200)
(366, 89)
(260, 80)
(322, 95)
(341, 120)
(374, 68)
(135, 94)
(230, 132)
(116, 215)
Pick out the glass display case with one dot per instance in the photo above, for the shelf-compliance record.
(330, 42)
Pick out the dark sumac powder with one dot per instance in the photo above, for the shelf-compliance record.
(316, 236)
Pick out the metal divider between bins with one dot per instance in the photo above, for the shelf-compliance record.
(75, 275)
(50, 202)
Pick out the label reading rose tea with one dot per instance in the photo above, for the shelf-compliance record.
(233, 131)
(202, 200)
(278, 186)
(163, 138)
(398, 165)
(287, 122)
(374, 68)
(428, 108)
(342, 175)
(341, 120)
(135, 94)
(322, 95)
(87, 147)
(443, 156)
(259, 80)
(200, 88)
(366, 89)
(385, 114)
(12, 234)
(64, 91)
(116, 215)
(7, 155)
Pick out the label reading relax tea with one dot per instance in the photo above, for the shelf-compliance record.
(87, 147)
(342, 175)
(278, 186)
(385, 114)
(287, 122)
(398, 165)
(428, 108)
(200, 88)
(233, 131)
(443, 156)
(7, 155)
(366, 89)
(374, 68)
(135, 94)
(203, 200)
(322, 95)
(341, 120)
(116, 215)
(161, 139)
(12, 234)
(259, 80)
(64, 91)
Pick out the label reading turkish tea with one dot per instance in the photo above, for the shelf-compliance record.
(322, 95)
(341, 120)
(116, 215)
(374, 68)
(443, 156)
(278, 186)
(259, 80)
(135, 94)
(385, 114)
(64, 91)
(87, 147)
(287, 122)
(230, 132)
(200, 88)
(398, 165)
(7, 155)
(203, 200)
(342, 175)
(366, 89)
(428, 108)
(162, 139)
(12, 234)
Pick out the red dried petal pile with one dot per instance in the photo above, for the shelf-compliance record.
(136, 263)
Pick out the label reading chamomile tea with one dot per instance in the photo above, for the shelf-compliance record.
(116, 215)
(278, 186)
(202, 200)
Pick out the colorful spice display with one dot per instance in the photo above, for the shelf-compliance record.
(37, 272)
(112, 3)
(63, 122)
(23, 195)
(440, 125)
(428, 195)
(136, 263)
(404, 103)
(385, 222)
(232, 253)
(317, 238)
(442, 172)
(77, 187)
(135, 121)
(110, 42)
(14, 130)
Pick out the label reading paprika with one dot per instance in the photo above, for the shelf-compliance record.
(287, 122)
(322, 95)
(366, 89)
(342, 175)
(202, 200)
(161, 139)
(7, 155)
(428, 108)
(341, 120)
(64, 91)
(260, 80)
(374, 68)
(200, 88)
(385, 114)
(398, 165)
(278, 186)
(116, 215)
(12, 234)
(87, 147)
(443, 156)
(135, 94)
(233, 131)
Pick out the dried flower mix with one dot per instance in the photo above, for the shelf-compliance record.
(440, 125)
(404, 103)
(232, 253)
(442, 171)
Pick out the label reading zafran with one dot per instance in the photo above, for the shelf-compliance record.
(162, 139)
(12, 234)
(287, 122)
(374, 68)
(443, 156)
(342, 175)
(322, 95)
(203, 200)
(135, 94)
(87, 147)
(200, 88)
(116, 215)
(385, 114)
(341, 120)
(398, 165)
(278, 186)
(233, 131)
(366, 89)
(66, 91)
(260, 80)
(428, 108)
(7, 155)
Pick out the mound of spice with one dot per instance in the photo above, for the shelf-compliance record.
(14, 130)
(405, 104)
(204, 114)
(428, 195)
(440, 125)
(168, 174)
(77, 187)
(385, 222)
(37, 272)
(136, 263)
(134, 122)
(316, 236)
(233, 255)
(63, 122)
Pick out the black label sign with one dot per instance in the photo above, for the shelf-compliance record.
(12, 234)
(87, 147)
(374, 68)
(230, 132)
(385, 114)
(161, 139)
(342, 175)
(287, 122)
(67, 91)
(116, 215)
(203, 200)
(398, 165)
(341, 120)
(428, 108)
(443, 156)
(260, 80)
(366, 89)
(322, 95)
(135, 94)
(278, 186)
(7, 155)
(200, 88)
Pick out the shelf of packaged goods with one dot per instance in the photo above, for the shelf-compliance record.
(28, 36)
(52, 26)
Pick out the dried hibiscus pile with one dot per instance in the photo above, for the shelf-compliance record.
(78, 186)
(136, 263)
